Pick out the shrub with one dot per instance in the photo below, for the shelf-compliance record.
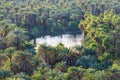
(4, 74)
(92, 74)
(116, 64)
(86, 61)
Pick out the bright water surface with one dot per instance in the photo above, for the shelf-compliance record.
(69, 40)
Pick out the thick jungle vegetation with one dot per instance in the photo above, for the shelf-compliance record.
(98, 58)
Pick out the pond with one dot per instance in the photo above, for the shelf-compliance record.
(69, 40)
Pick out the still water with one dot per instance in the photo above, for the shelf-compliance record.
(69, 40)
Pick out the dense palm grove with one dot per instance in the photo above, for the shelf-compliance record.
(24, 20)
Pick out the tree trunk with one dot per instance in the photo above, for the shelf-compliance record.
(17, 43)
(34, 41)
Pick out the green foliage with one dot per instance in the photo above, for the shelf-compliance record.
(96, 75)
(28, 46)
(100, 32)
(22, 21)
(86, 61)
(20, 76)
(61, 66)
(74, 73)
(4, 74)
(116, 64)
(40, 19)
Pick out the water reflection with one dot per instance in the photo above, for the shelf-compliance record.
(68, 40)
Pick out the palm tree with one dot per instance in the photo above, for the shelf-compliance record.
(10, 52)
(2, 59)
(16, 37)
(22, 59)
(4, 27)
